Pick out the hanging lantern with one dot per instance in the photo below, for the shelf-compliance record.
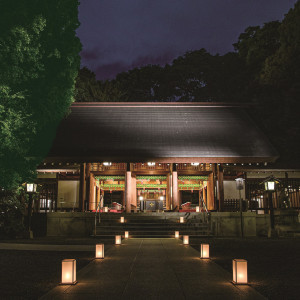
(122, 220)
(239, 270)
(204, 251)
(185, 239)
(68, 271)
(118, 240)
(126, 234)
(99, 251)
(176, 234)
(181, 219)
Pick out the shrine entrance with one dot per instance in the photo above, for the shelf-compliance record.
(151, 200)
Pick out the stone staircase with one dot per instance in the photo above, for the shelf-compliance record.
(153, 225)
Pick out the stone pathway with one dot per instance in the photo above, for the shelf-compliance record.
(153, 269)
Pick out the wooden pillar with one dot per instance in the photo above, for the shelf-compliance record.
(210, 192)
(87, 186)
(133, 192)
(204, 196)
(82, 187)
(220, 188)
(128, 187)
(175, 202)
(92, 198)
(168, 193)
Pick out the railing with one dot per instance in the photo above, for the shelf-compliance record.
(97, 208)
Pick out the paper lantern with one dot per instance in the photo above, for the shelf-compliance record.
(239, 270)
(181, 219)
(126, 234)
(118, 240)
(99, 251)
(204, 251)
(185, 239)
(122, 220)
(105, 209)
(197, 208)
(68, 271)
(176, 234)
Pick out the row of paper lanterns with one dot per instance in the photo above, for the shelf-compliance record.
(239, 266)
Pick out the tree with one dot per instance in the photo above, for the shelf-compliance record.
(39, 61)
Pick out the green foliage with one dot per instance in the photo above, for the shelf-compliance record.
(39, 61)
(11, 214)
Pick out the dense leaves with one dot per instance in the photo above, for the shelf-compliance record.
(39, 62)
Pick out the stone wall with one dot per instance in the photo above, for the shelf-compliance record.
(70, 224)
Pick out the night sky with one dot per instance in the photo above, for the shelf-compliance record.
(118, 35)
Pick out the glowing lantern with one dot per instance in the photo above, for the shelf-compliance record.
(176, 234)
(118, 240)
(197, 208)
(185, 239)
(204, 251)
(239, 270)
(122, 220)
(126, 234)
(105, 209)
(181, 219)
(99, 251)
(68, 271)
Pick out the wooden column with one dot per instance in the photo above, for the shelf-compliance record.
(210, 192)
(82, 187)
(220, 188)
(128, 191)
(133, 191)
(175, 188)
(87, 185)
(168, 192)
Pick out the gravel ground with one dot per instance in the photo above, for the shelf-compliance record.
(273, 265)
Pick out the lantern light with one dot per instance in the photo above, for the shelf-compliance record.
(239, 270)
(150, 164)
(99, 251)
(204, 251)
(239, 183)
(161, 197)
(185, 239)
(122, 220)
(68, 271)
(118, 240)
(105, 209)
(141, 198)
(31, 187)
(197, 208)
(126, 234)
(181, 220)
(195, 164)
(107, 164)
(176, 234)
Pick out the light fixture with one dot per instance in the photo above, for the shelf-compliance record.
(161, 197)
(239, 183)
(141, 198)
(105, 209)
(204, 251)
(239, 271)
(122, 220)
(181, 220)
(197, 208)
(270, 183)
(195, 164)
(150, 164)
(185, 239)
(68, 271)
(176, 234)
(99, 251)
(107, 164)
(126, 234)
(118, 240)
(31, 187)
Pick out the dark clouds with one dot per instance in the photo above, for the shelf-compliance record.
(120, 34)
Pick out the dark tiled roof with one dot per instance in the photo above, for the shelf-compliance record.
(139, 132)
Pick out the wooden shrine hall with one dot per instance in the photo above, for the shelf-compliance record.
(150, 156)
